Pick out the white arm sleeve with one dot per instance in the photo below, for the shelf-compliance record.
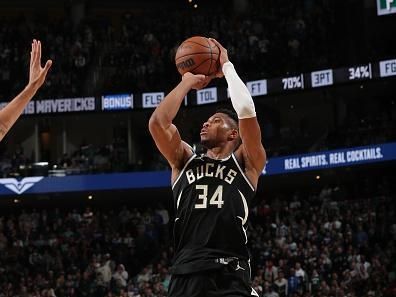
(241, 99)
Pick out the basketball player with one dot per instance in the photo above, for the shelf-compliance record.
(212, 192)
(11, 112)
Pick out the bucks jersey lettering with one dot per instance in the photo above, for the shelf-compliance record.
(209, 170)
(212, 199)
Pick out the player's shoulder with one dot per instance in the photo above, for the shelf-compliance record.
(187, 156)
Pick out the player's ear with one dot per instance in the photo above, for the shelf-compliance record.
(234, 134)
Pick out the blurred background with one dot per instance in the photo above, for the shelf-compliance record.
(85, 202)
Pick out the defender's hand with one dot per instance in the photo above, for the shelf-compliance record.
(37, 73)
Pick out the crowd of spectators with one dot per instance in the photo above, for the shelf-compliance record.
(325, 242)
(87, 159)
(134, 48)
(137, 52)
(92, 159)
(369, 124)
(374, 122)
(262, 42)
(323, 245)
(80, 252)
(72, 48)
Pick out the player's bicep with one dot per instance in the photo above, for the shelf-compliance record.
(168, 142)
(250, 133)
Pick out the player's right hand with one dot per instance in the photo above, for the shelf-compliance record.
(37, 73)
(223, 57)
(196, 81)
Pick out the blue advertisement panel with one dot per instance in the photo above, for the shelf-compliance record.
(78, 183)
(160, 179)
(330, 159)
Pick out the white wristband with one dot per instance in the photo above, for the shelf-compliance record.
(241, 99)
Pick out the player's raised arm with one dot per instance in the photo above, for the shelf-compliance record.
(243, 104)
(163, 131)
(11, 112)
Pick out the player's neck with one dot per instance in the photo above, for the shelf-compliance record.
(218, 153)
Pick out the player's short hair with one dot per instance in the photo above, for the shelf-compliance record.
(234, 121)
(230, 113)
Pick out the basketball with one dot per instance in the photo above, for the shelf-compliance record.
(197, 55)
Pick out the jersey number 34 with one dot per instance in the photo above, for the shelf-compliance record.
(215, 199)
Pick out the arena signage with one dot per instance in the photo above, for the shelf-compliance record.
(81, 183)
(257, 87)
(386, 7)
(64, 105)
(152, 99)
(330, 159)
(388, 68)
(160, 179)
(293, 82)
(20, 186)
(272, 86)
(205, 96)
(117, 102)
(261, 87)
(29, 109)
(322, 78)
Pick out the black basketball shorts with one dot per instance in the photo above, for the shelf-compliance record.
(231, 280)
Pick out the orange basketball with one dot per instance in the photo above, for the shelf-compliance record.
(197, 55)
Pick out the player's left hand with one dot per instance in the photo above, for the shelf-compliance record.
(223, 57)
(37, 73)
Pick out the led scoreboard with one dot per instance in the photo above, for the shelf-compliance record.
(329, 77)
(385, 69)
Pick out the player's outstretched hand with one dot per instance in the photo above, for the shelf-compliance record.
(196, 81)
(37, 73)
(223, 57)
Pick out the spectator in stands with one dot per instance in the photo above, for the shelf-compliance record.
(280, 285)
(270, 272)
(269, 290)
(120, 277)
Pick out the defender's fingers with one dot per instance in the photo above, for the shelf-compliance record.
(32, 54)
(39, 51)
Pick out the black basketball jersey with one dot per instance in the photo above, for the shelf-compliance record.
(211, 199)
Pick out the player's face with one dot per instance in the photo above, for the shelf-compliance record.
(215, 130)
